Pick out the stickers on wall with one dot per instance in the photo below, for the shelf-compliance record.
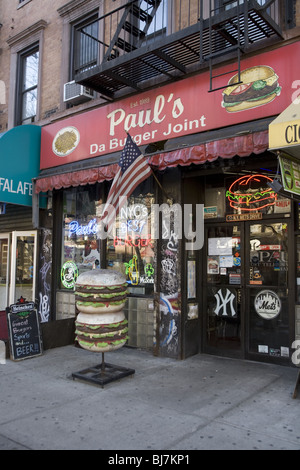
(267, 304)
(226, 303)
(283, 351)
(69, 274)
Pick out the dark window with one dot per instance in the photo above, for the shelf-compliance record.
(84, 45)
(27, 86)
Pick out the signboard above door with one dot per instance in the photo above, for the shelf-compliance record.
(180, 108)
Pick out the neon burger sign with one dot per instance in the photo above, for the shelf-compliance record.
(250, 193)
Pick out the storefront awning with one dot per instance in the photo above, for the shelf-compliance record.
(284, 131)
(20, 161)
(242, 146)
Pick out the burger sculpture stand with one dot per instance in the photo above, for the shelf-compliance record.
(101, 325)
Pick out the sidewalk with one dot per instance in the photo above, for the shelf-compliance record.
(204, 402)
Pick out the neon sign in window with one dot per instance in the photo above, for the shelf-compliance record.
(90, 229)
(251, 193)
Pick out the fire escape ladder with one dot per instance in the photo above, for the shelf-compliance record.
(227, 34)
(128, 35)
(135, 46)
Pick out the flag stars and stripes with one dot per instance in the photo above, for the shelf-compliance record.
(134, 169)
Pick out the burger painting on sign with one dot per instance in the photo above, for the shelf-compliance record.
(257, 86)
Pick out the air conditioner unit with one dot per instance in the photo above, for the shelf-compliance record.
(74, 93)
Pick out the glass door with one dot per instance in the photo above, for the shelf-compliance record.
(267, 289)
(23, 266)
(223, 289)
(4, 270)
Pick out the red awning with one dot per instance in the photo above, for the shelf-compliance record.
(242, 146)
(76, 178)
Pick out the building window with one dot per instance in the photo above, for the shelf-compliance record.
(27, 86)
(84, 45)
(131, 245)
(159, 21)
(80, 244)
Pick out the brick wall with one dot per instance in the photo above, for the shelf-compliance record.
(16, 18)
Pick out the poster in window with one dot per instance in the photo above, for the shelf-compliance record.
(213, 265)
(191, 279)
(220, 246)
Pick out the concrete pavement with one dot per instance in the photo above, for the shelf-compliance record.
(204, 402)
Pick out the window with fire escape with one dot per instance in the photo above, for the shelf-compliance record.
(159, 22)
(84, 47)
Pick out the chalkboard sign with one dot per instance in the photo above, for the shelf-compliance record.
(24, 330)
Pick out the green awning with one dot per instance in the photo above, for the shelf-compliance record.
(20, 163)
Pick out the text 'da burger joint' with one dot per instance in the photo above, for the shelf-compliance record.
(232, 290)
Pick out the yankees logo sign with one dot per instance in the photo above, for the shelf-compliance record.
(226, 304)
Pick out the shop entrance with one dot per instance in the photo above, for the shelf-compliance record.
(23, 266)
(17, 271)
(246, 292)
(17, 267)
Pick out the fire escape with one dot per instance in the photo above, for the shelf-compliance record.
(138, 46)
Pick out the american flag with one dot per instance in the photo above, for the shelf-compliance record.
(133, 170)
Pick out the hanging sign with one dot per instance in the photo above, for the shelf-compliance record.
(243, 217)
(290, 171)
(250, 193)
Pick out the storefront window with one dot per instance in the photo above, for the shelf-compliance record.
(80, 245)
(131, 247)
(248, 196)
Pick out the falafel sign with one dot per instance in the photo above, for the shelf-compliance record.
(177, 109)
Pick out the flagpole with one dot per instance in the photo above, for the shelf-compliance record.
(159, 184)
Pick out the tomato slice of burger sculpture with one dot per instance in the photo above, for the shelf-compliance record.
(101, 326)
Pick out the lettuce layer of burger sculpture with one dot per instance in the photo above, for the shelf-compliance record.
(100, 297)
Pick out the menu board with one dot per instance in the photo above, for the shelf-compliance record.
(24, 331)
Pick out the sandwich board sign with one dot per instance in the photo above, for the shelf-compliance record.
(24, 330)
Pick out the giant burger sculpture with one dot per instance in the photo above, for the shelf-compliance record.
(101, 326)
(100, 297)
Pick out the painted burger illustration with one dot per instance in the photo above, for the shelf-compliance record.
(100, 296)
(251, 193)
(258, 86)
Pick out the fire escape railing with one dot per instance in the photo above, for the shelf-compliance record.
(147, 39)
